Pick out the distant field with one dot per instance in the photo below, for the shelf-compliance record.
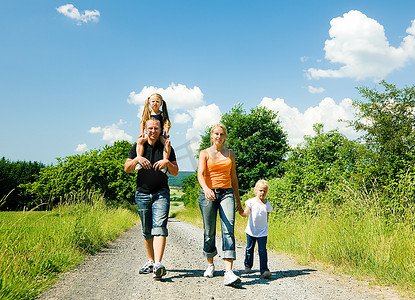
(177, 180)
(176, 192)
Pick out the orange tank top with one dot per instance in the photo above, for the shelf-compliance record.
(218, 175)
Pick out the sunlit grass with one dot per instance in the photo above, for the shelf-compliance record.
(36, 246)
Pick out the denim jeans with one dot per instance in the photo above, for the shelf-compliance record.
(262, 251)
(225, 204)
(154, 212)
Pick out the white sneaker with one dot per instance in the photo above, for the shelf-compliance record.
(209, 271)
(230, 279)
(138, 166)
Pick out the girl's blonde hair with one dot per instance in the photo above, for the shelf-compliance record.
(220, 125)
(261, 182)
(165, 115)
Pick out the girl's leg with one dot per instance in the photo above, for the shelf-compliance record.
(140, 145)
(249, 252)
(140, 149)
(167, 147)
(262, 251)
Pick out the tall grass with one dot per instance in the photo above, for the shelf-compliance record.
(357, 238)
(36, 246)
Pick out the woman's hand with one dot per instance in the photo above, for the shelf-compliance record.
(209, 194)
(238, 207)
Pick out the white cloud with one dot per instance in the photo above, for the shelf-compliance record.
(112, 133)
(314, 90)
(182, 118)
(303, 58)
(360, 45)
(81, 148)
(176, 96)
(298, 124)
(72, 12)
(203, 117)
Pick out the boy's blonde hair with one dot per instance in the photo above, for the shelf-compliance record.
(261, 182)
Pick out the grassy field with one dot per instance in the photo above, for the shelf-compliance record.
(36, 246)
(176, 192)
(366, 247)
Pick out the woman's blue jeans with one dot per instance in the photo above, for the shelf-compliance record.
(262, 251)
(225, 204)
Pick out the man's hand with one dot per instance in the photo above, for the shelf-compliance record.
(144, 162)
(161, 164)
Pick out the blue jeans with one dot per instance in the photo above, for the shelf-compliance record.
(262, 251)
(225, 204)
(154, 212)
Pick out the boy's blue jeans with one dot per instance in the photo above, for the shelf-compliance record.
(225, 204)
(262, 251)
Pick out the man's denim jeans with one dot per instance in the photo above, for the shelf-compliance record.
(262, 251)
(225, 204)
(154, 212)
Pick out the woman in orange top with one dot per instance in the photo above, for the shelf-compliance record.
(217, 176)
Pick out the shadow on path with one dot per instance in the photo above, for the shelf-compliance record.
(255, 278)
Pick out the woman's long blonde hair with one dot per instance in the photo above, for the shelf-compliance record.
(220, 125)
(165, 115)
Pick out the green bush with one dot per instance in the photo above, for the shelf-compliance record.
(98, 170)
(191, 189)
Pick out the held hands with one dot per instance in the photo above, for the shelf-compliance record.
(238, 207)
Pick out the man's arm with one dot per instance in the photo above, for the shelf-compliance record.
(129, 165)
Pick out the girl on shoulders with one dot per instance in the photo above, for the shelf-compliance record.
(155, 107)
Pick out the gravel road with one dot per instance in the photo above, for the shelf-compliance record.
(113, 274)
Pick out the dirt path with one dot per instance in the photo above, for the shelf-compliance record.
(113, 274)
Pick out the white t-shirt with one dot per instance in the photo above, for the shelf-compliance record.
(257, 223)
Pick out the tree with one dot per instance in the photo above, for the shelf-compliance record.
(98, 170)
(12, 174)
(387, 119)
(323, 160)
(259, 143)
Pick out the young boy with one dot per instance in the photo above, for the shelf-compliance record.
(257, 209)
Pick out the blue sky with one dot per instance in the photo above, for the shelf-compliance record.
(74, 75)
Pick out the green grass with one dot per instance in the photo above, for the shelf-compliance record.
(176, 193)
(36, 246)
(361, 244)
(365, 246)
